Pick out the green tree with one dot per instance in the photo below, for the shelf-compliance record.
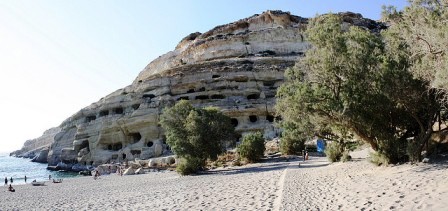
(252, 147)
(349, 84)
(196, 134)
(422, 29)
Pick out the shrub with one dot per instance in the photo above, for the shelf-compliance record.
(334, 152)
(346, 156)
(252, 147)
(196, 134)
(379, 159)
(292, 141)
(189, 165)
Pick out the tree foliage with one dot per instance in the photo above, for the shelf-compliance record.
(352, 84)
(252, 147)
(196, 134)
(422, 28)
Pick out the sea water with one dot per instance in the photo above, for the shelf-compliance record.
(18, 168)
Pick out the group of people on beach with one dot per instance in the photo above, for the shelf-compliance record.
(10, 188)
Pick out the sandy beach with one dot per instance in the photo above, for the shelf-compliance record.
(277, 185)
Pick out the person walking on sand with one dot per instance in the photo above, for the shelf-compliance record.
(49, 177)
(6, 181)
(25, 178)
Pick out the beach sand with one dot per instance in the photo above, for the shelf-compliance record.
(273, 185)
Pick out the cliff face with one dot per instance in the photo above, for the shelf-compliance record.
(236, 67)
(37, 149)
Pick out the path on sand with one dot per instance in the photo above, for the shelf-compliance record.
(359, 185)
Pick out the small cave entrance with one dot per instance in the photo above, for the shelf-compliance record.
(216, 76)
(270, 118)
(234, 122)
(190, 91)
(123, 156)
(149, 144)
(135, 106)
(136, 152)
(114, 147)
(146, 96)
(118, 110)
(183, 98)
(104, 113)
(135, 137)
(268, 83)
(202, 89)
(217, 96)
(202, 97)
(253, 118)
(253, 96)
(238, 137)
(90, 118)
(84, 144)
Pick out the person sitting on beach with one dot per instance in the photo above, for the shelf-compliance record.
(10, 188)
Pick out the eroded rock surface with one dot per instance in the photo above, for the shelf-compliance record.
(236, 67)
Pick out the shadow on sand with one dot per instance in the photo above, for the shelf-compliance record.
(269, 164)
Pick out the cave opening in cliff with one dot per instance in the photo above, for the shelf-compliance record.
(183, 98)
(104, 113)
(136, 152)
(118, 110)
(123, 156)
(117, 146)
(270, 118)
(216, 76)
(149, 144)
(268, 83)
(234, 122)
(90, 118)
(253, 96)
(84, 144)
(190, 91)
(135, 106)
(109, 147)
(202, 89)
(202, 97)
(150, 96)
(253, 118)
(217, 96)
(135, 137)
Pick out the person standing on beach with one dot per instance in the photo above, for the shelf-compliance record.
(6, 181)
(49, 177)
(303, 155)
(25, 178)
(11, 180)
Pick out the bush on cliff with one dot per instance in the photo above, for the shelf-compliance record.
(252, 147)
(196, 134)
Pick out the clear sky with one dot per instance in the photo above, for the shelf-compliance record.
(58, 56)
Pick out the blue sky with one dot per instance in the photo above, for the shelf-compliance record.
(58, 56)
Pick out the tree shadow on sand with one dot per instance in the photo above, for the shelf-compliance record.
(270, 164)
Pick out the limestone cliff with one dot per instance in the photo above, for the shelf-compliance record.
(37, 149)
(236, 67)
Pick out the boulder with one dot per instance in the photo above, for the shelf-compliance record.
(139, 171)
(129, 171)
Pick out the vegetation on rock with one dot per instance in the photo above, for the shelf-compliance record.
(196, 134)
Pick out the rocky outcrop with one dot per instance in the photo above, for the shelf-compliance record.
(236, 67)
(37, 149)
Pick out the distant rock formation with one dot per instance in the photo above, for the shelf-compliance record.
(37, 149)
(236, 67)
